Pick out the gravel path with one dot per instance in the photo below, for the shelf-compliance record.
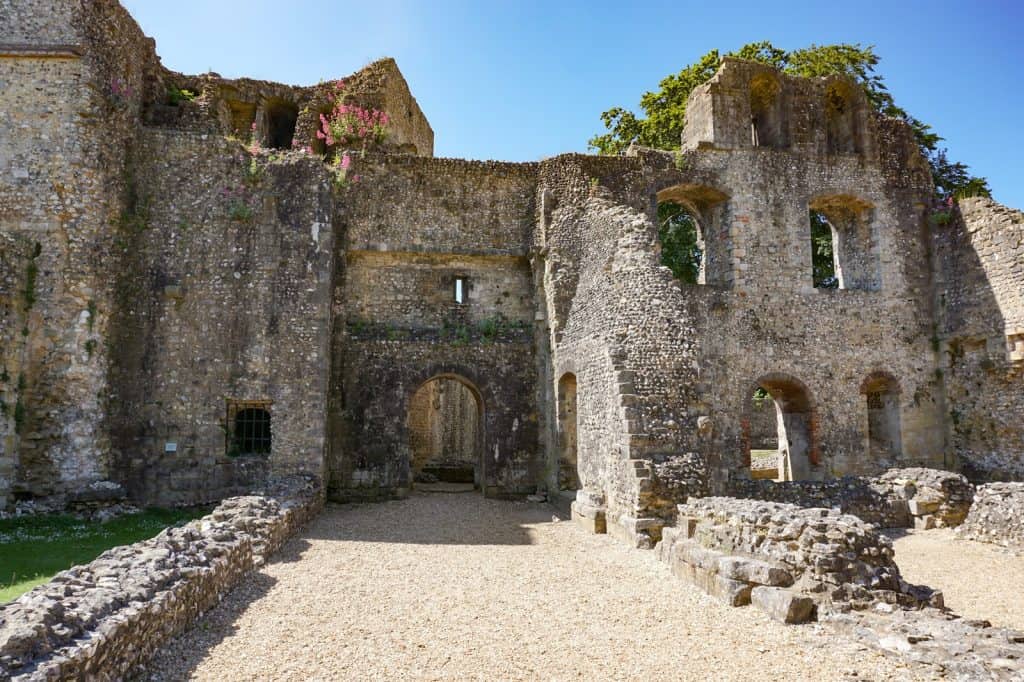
(978, 580)
(453, 586)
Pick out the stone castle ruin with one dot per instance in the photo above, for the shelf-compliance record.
(190, 305)
(194, 304)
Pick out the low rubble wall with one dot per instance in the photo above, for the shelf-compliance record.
(899, 498)
(997, 515)
(788, 560)
(100, 620)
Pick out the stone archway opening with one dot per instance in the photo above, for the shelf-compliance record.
(568, 469)
(882, 395)
(446, 433)
(793, 426)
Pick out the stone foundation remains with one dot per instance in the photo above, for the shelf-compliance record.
(899, 498)
(99, 620)
(791, 562)
(997, 515)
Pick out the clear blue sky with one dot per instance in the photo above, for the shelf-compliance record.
(524, 80)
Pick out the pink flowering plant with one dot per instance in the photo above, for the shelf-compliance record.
(120, 92)
(347, 125)
(341, 166)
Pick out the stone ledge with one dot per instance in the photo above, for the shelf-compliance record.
(100, 620)
(26, 50)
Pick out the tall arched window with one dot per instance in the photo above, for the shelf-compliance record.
(882, 397)
(682, 242)
(844, 245)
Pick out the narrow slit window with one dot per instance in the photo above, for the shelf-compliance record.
(460, 290)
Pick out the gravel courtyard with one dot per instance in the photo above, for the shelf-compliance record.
(977, 580)
(453, 586)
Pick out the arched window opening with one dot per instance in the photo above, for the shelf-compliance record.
(445, 434)
(882, 396)
(794, 448)
(279, 124)
(844, 247)
(841, 123)
(250, 432)
(767, 123)
(682, 242)
(568, 470)
(823, 254)
(763, 436)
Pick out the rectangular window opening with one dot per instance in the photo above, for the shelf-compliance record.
(460, 290)
(248, 429)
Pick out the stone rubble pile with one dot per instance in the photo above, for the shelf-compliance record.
(997, 515)
(899, 498)
(934, 498)
(791, 562)
(99, 620)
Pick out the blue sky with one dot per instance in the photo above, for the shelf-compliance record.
(524, 80)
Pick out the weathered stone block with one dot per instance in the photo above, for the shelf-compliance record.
(783, 605)
(754, 571)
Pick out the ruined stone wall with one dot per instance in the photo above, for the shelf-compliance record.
(899, 498)
(979, 249)
(997, 515)
(789, 561)
(603, 288)
(412, 226)
(689, 356)
(247, 109)
(101, 620)
(224, 294)
(72, 75)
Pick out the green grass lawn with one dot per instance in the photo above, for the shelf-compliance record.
(35, 548)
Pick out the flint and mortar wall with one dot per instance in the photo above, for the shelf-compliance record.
(686, 359)
(997, 515)
(72, 75)
(787, 559)
(100, 620)
(980, 294)
(412, 225)
(224, 293)
(899, 498)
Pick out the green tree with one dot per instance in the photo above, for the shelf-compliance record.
(664, 111)
(679, 249)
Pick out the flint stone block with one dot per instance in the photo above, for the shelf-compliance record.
(783, 605)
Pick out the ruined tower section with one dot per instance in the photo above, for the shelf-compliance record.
(433, 295)
(848, 362)
(72, 76)
(979, 251)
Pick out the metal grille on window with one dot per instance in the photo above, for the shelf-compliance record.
(250, 427)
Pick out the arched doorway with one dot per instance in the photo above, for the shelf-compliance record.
(882, 395)
(446, 432)
(793, 432)
(568, 471)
